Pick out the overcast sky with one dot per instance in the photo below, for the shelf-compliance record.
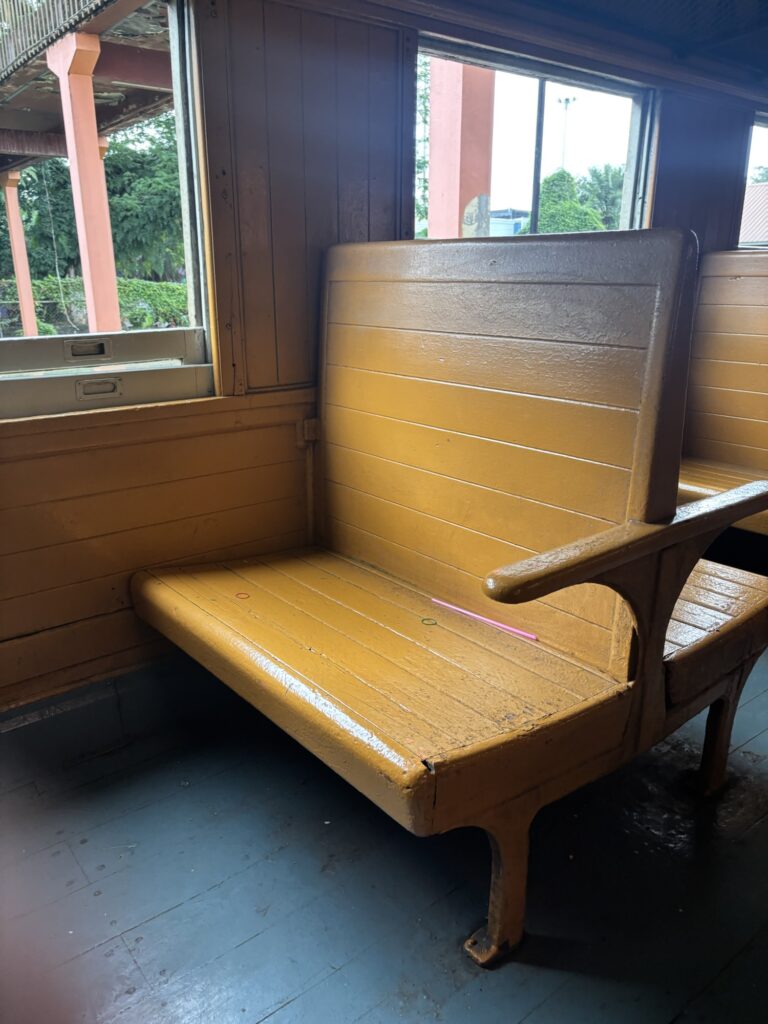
(594, 132)
(758, 156)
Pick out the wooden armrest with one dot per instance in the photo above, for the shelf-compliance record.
(585, 560)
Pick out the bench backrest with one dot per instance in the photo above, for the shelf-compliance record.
(727, 418)
(483, 401)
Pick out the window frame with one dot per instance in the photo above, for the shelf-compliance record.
(636, 201)
(60, 374)
(760, 121)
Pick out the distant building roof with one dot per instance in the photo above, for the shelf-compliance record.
(754, 221)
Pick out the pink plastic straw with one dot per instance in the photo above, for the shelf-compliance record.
(482, 618)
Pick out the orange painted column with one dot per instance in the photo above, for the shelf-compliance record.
(72, 59)
(10, 185)
(460, 146)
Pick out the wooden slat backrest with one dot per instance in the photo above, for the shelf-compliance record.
(727, 418)
(485, 400)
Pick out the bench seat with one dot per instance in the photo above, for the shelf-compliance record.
(722, 616)
(290, 632)
(316, 640)
(499, 425)
(700, 478)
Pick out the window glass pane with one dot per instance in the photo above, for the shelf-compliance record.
(584, 154)
(136, 117)
(476, 153)
(754, 222)
(514, 143)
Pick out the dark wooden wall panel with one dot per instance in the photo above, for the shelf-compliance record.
(703, 148)
(318, 109)
(254, 271)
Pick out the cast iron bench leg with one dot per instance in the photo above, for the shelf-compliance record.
(717, 739)
(503, 930)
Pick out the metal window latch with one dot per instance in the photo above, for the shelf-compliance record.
(100, 387)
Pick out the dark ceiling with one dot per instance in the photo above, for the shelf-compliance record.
(733, 31)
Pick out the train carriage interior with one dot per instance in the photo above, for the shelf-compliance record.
(384, 511)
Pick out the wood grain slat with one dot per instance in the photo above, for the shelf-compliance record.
(292, 658)
(612, 377)
(492, 656)
(738, 261)
(457, 546)
(729, 429)
(587, 487)
(71, 475)
(733, 376)
(61, 522)
(253, 263)
(59, 606)
(90, 670)
(576, 313)
(740, 288)
(321, 146)
(731, 319)
(392, 699)
(384, 133)
(731, 347)
(475, 694)
(44, 568)
(754, 459)
(285, 114)
(377, 586)
(553, 627)
(353, 127)
(492, 511)
(585, 431)
(721, 401)
(30, 656)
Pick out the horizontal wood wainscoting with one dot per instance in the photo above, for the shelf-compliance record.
(86, 500)
(309, 124)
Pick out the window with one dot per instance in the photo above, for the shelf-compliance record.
(754, 220)
(505, 150)
(100, 293)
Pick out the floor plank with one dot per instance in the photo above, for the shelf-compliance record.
(220, 874)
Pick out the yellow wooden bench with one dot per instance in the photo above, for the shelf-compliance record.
(498, 403)
(726, 433)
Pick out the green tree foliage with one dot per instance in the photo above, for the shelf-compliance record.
(601, 190)
(144, 201)
(60, 305)
(421, 182)
(560, 209)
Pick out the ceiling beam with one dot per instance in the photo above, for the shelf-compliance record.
(16, 143)
(134, 67)
(110, 16)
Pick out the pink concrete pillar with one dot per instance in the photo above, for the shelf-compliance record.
(460, 145)
(10, 185)
(72, 59)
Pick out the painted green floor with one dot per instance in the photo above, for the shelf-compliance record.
(219, 875)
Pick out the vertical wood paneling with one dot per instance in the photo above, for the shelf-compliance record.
(354, 128)
(285, 119)
(701, 167)
(213, 40)
(320, 161)
(314, 108)
(249, 111)
(384, 154)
